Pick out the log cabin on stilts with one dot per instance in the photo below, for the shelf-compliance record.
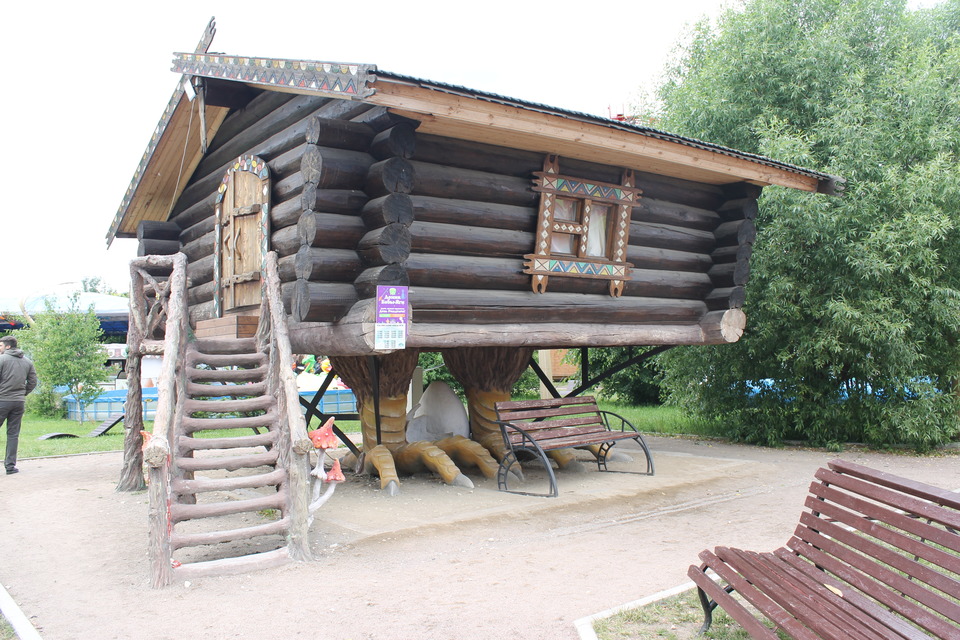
(278, 197)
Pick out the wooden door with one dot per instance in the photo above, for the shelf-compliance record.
(242, 233)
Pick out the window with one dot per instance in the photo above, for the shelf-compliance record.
(583, 228)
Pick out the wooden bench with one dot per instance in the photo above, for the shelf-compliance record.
(530, 428)
(874, 557)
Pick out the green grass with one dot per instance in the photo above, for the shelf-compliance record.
(675, 618)
(32, 428)
(6, 631)
(650, 419)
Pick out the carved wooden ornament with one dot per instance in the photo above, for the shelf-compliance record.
(583, 228)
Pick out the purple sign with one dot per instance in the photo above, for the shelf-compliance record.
(392, 304)
(393, 314)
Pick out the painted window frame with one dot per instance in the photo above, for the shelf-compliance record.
(587, 194)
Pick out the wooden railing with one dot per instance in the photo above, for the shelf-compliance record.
(293, 445)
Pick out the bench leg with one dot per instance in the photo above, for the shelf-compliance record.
(510, 462)
(708, 606)
(646, 451)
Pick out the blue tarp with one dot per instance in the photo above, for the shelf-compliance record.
(111, 402)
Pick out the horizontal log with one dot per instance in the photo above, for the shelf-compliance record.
(739, 209)
(472, 213)
(201, 270)
(668, 259)
(322, 301)
(386, 245)
(726, 298)
(340, 169)
(397, 141)
(285, 241)
(391, 274)
(463, 306)
(393, 208)
(338, 109)
(732, 253)
(467, 184)
(380, 118)
(242, 119)
(730, 274)
(479, 274)
(331, 200)
(742, 190)
(393, 175)
(151, 247)
(156, 230)
(736, 232)
(330, 230)
(723, 326)
(268, 137)
(431, 237)
(477, 156)
(200, 248)
(330, 265)
(694, 194)
(272, 136)
(286, 213)
(200, 312)
(337, 133)
(289, 188)
(201, 293)
(354, 334)
(672, 213)
(669, 237)
(287, 268)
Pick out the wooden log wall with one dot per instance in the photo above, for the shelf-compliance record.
(454, 219)
(360, 199)
(282, 129)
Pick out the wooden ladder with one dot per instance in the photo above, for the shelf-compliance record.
(226, 484)
(229, 448)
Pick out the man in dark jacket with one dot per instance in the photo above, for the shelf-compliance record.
(17, 379)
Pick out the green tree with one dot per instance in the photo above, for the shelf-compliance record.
(65, 349)
(853, 305)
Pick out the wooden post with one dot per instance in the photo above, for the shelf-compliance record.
(131, 474)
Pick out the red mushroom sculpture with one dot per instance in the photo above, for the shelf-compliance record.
(323, 439)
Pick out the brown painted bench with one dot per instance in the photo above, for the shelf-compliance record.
(530, 428)
(874, 557)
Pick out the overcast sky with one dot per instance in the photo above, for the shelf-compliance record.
(87, 84)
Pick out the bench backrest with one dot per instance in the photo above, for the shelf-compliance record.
(553, 418)
(893, 540)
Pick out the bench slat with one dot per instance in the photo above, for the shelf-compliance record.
(862, 606)
(844, 569)
(891, 498)
(877, 560)
(508, 405)
(560, 422)
(800, 604)
(567, 441)
(537, 414)
(894, 538)
(937, 495)
(551, 432)
(901, 521)
(757, 598)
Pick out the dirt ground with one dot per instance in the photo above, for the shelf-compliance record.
(434, 562)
